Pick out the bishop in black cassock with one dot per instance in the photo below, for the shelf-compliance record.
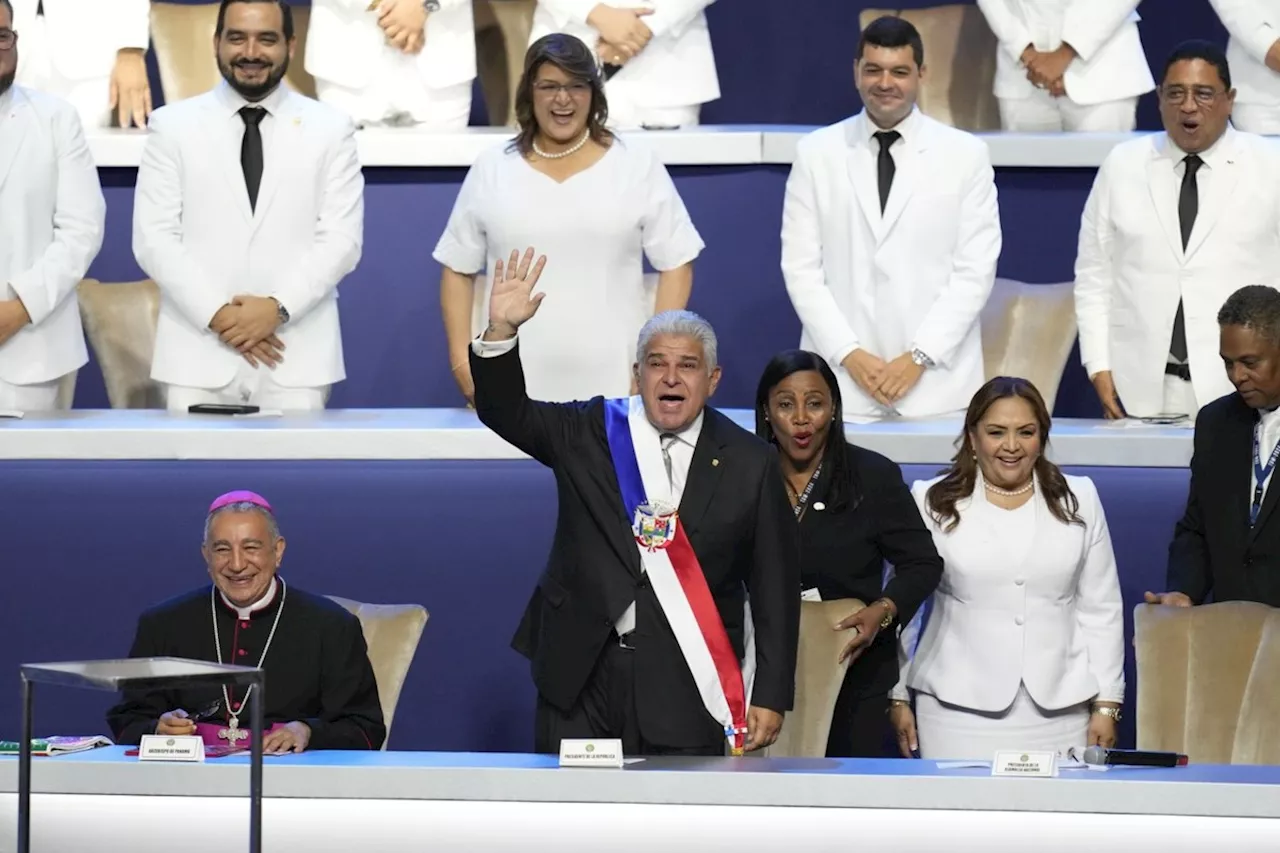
(321, 692)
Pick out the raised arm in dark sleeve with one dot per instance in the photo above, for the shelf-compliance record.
(774, 587)
(539, 429)
(139, 711)
(904, 541)
(1190, 571)
(351, 712)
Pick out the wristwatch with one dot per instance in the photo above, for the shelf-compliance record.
(922, 360)
(432, 5)
(281, 311)
(888, 613)
(1107, 711)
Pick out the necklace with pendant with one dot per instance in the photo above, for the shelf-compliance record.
(233, 733)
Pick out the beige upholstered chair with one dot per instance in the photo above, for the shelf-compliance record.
(120, 322)
(392, 632)
(182, 36)
(959, 60)
(502, 36)
(1028, 331)
(818, 679)
(1209, 681)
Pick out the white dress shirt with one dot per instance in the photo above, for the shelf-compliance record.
(1270, 435)
(642, 431)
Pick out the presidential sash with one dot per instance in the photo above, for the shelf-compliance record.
(724, 682)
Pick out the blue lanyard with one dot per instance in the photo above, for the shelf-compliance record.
(1260, 474)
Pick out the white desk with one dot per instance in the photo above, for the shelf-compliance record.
(722, 145)
(444, 802)
(458, 434)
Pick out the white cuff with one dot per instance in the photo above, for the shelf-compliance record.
(489, 349)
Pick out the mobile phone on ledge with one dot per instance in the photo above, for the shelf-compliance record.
(222, 409)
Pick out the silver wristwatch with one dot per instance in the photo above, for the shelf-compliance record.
(281, 312)
(922, 360)
(431, 5)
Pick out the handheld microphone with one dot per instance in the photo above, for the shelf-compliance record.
(1133, 757)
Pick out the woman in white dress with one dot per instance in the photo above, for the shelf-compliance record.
(1024, 649)
(595, 206)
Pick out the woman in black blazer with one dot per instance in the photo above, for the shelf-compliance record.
(855, 514)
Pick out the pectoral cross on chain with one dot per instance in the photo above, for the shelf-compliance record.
(233, 733)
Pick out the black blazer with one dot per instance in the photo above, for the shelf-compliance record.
(1214, 550)
(737, 517)
(844, 548)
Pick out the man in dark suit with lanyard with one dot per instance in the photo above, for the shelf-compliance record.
(1228, 541)
(668, 612)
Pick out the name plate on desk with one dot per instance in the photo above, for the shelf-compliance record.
(606, 752)
(171, 748)
(1035, 764)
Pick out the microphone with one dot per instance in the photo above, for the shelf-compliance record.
(1133, 757)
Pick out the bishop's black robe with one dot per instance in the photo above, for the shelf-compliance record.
(317, 669)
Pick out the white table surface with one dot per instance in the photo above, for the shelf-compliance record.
(724, 145)
(458, 434)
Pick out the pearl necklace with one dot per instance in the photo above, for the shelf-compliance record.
(574, 149)
(1009, 493)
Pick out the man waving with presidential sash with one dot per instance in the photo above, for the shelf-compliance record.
(668, 612)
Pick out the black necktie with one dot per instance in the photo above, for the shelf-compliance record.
(251, 151)
(884, 164)
(40, 9)
(1188, 207)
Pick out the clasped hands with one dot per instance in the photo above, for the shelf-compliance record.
(1045, 69)
(885, 382)
(248, 325)
(622, 33)
(403, 22)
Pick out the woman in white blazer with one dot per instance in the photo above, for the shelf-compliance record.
(656, 55)
(1074, 65)
(1024, 648)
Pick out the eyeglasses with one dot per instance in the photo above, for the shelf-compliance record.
(576, 90)
(8, 38)
(1177, 95)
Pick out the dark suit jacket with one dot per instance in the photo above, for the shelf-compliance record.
(735, 511)
(1214, 550)
(844, 548)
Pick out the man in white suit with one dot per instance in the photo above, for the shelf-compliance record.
(1074, 65)
(51, 220)
(89, 52)
(656, 55)
(1174, 223)
(394, 62)
(890, 235)
(1254, 54)
(248, 213)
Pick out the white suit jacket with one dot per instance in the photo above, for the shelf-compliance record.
(916, 277)
(1110, 64)
(1254, 26)
(1131, 269)
(344, 42)
(676, 69)
(195, 234)
(51, 220)
(86, 35)
(1048, 615)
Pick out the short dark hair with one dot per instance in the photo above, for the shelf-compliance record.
(891, 31)
(286, 12)
(1203, 50)
(574, 58)
(1255, 307)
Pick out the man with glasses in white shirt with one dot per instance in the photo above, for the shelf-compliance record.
(1175, 221)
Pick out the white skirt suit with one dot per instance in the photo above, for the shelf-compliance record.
(1025, 631)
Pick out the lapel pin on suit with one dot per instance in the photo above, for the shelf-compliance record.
(819, 506)
(715, 463)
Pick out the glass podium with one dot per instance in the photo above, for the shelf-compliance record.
(141, 674)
